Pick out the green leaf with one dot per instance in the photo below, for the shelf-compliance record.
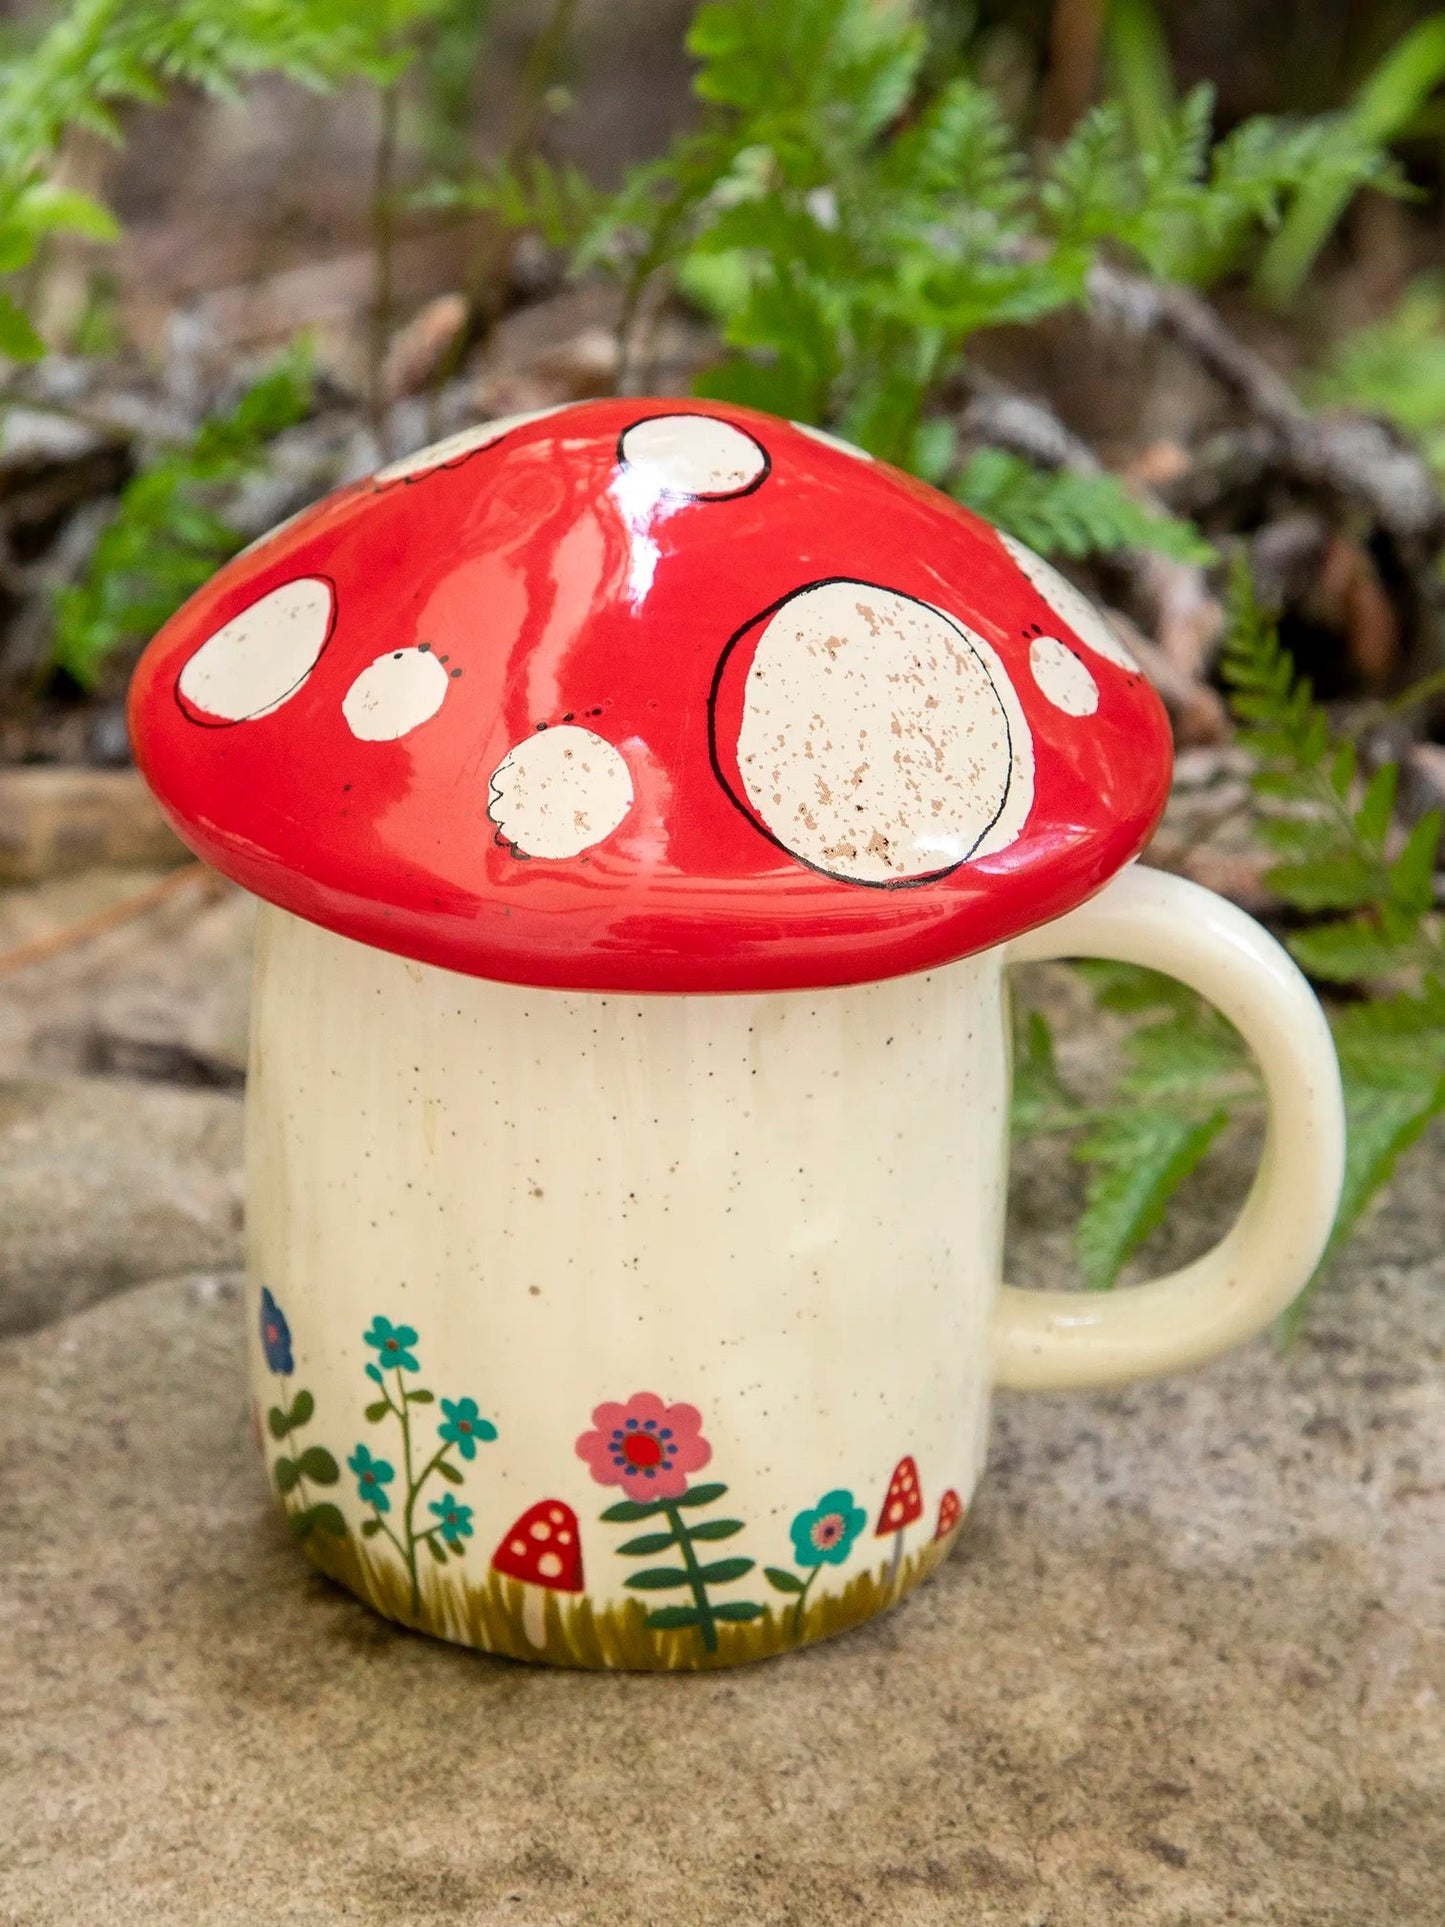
(420, 1398)
(1343, 880)
(449, 1471)
(437, 1550)
(277, 1422)
(317, 1464)
(286, 1472)
(1376, 811)
(722, 1570)
(1412, 874)
(657, 1578)
(738, 1610)
(378, 1409)
(18, 339)
(645, 1543)
(327, 1518)
(1060, 512)
(302, 1408)
(781, 1580)
(667, 1619)
(628, 1512)
(1345, 953)
(370, 1528)
(701, 1495)
(1139, 1158)
(300, 1524)
(714, 1529)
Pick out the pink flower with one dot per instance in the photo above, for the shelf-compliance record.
(646, 1447)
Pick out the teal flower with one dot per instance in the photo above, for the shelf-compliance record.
(393, 1343)
(372, 1477)
(826, 1534)
(456, 1519)
(465, 1425)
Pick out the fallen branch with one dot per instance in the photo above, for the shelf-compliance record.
(42, 949)
(1357, 457)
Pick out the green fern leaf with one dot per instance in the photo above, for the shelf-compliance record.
(1061, 513)
(1139, 1158)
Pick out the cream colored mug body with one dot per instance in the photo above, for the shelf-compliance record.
(660, 1331)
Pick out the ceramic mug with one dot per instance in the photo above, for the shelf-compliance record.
(694, 1302)
(648, 800)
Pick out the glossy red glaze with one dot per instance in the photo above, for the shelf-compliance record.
(564, 586)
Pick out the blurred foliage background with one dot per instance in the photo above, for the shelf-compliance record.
(1158, 288)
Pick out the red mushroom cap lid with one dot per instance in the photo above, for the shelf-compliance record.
(650, 695)
(544, 1548)
(903, 1502)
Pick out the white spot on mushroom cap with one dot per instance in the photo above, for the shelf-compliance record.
(549, 1565)
(695, 455)
(456, 448)
(832, 441)
(1070, 605)
(261, 657)
(1062, 678)
(881, 741)
(557, 793)
(394, 694)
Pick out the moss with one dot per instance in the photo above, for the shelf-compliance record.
(489, 1615)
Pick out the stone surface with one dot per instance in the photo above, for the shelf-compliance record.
(105, 1183)
(1185, 1667)
(179, 976)
(56, 819)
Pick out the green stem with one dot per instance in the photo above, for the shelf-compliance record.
(410, 1554)
(694, 1574)
(388, 1531)
(802, 1601)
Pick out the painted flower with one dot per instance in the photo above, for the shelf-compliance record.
(456, 1519)
(825, 1535)
(465, 1425)
(645, 1446)
(372, 1478)
(275, 1335)
(393, 1344)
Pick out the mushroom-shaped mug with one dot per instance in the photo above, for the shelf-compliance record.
(646, 799)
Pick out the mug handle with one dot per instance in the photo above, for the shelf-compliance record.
(1054, 1340)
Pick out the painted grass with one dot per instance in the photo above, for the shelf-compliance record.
(490, 1616)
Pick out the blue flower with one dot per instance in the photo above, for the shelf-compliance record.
(456, 1519)
(275, 1335)
(372, 1476)
(465, 1425)
(825, 1535)
(393, 1343)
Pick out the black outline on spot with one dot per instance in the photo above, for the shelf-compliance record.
(698, 415)
(437, 468)
(259, 715)
(742, 804)
(494, 795)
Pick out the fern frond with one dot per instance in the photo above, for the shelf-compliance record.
(1059, 512)
(167, 536)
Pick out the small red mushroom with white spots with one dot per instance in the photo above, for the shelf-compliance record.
(544, 1551)
(950, 1511)
(902, 1507)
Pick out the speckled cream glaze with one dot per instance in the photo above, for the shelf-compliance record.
(782, 1210)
